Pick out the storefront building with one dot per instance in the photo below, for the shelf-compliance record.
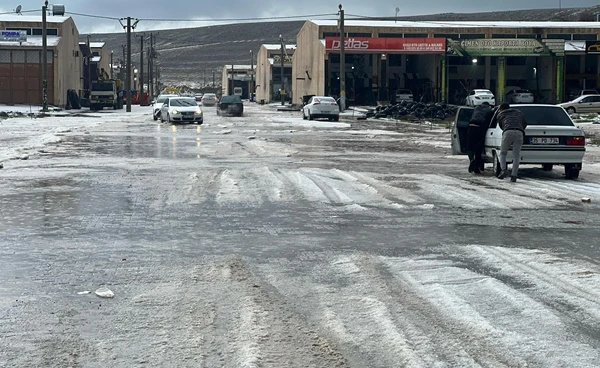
(268, 72)
(21, 59)
(443, 61)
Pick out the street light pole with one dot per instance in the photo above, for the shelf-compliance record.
(281, 89)
(112, 66)
(342, 61)
(44, 59)
(251, 74)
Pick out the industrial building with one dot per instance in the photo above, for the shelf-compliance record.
(443, 61)
(21, 59)
(269, 72)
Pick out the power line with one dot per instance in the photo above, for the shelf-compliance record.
(236, 19)
(93, 16)
(22, 11)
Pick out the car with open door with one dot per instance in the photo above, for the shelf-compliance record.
(551, 138)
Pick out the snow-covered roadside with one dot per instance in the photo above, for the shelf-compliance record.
(22, 136)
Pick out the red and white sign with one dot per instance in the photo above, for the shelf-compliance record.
(364, 44)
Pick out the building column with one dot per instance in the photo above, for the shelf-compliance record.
(583, 81)
(501, 81)
(488, 72)
(560, 78)
(443, 79)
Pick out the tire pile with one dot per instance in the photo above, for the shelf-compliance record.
(416, 111)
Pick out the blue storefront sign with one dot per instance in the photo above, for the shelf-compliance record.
(13, 36)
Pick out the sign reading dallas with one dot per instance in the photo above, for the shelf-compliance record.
(13, 36)
(365, 44)
(497, 47)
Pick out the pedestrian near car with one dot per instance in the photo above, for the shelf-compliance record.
(480, 121)
(513, 124)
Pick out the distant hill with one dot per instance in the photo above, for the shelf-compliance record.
(190, 56)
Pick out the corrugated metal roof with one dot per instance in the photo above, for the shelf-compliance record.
(458, 24)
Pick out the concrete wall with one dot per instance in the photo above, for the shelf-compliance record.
(67, 65)
(263, 75)
(308, 64)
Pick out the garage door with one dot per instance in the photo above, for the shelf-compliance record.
(21, 77)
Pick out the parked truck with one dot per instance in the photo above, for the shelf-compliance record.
(106, 94)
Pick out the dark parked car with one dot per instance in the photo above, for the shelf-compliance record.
(230, 105)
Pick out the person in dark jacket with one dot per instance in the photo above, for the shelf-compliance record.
(478, 125)
(513, 124)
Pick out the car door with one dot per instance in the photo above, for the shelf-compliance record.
(164, 109)
(585, 105)
(493, 138)
(459, 130)
(308, 106)
(595, 104)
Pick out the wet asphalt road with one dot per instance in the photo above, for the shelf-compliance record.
(268, 241)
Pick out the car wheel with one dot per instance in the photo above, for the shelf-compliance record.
(337, 118)
(571, 172)
(303, 115)
(571, 110)
(547, 167)
(496, 161)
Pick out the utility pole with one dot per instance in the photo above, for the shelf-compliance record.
(112, 66)
(342, 61)
(251, 75)
(281, 89)
(141, 75)
(232, 85)
(213, 83)
(44, 59)
(128, 27)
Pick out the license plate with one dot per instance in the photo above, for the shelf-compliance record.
(544, 140)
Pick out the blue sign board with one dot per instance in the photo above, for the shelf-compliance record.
(13, 36)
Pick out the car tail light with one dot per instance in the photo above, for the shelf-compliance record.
(316, 102)
(576, 141)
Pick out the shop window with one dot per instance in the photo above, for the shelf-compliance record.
(389, 35)
(331, 34)
(504, 35)
(573, 64)
(460, 60)
(559, 36)
(395, 59)
(416, 35)
(591, 64)
(4, 56)
(33, 57)
(359, 34)
(584, 37)
(528, 35)
(516, 60)
(18, 56)
(49, 31)
(446, 35)
(471, 36)
(453, 70)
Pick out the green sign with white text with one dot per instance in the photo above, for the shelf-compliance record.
(497, 47)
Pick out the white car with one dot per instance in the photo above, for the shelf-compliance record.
(209, 99)
(550, 139)
(157, 104)
(181, 110)
(582, 104)
(404, 95)
(478, 96)
(321, 107)
(519, 96)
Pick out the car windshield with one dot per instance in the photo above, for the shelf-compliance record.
(522, 91)
(162, 99)
(231, 99)
(405, 92)
(185, 102)
(545, 115)
(483, 92)
(209, 95)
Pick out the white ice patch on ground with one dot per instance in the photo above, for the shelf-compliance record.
(298, 122)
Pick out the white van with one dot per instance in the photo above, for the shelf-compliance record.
(237, 91)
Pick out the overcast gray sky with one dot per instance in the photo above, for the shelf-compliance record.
(221, 9)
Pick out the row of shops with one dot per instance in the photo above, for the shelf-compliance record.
(437, 61)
